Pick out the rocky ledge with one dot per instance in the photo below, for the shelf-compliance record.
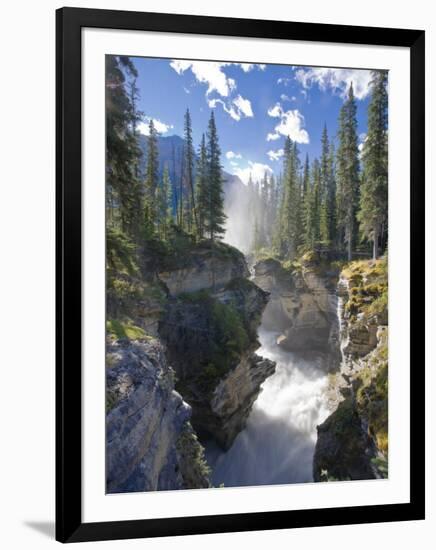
(203, 266)
(150, 441)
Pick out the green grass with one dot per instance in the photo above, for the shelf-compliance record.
(121, 330)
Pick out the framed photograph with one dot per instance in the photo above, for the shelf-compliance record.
(240, 232)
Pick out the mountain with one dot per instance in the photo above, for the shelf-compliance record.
(171, 154)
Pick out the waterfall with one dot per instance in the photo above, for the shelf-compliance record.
(343, 332)
(277, 445)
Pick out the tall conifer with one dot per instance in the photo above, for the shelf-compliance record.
(214, 216)
(348, 173)
(373, 212)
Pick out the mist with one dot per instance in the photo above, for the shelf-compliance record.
(239, 223)
(278, 443)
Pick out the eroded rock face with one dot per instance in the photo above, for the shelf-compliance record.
(147, 423)
(343, 449)
(212, 342)
(233, 399)
(353, 442)
(353, 438)
(204, 269)
(302, 306)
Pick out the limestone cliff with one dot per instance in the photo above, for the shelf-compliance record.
(196, 311)
(303, 305)
(148, 433)
(203, 267)
(353, 442)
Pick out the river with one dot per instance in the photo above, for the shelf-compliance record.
(278, 443)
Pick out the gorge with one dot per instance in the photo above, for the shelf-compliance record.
(230, 376)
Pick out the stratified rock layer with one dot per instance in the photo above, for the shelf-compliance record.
(204, 268)
(147, 425)
(303, 306)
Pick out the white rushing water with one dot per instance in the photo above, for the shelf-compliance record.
(277, 445)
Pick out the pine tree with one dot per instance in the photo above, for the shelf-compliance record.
(151, 180)
(373, 212)
(328, 191)
(164, 209)
(190, 218)
(312, 208)
(325, 178)
(291, 203)
(276, 228)
(123, 190)
(306, 201)
(348, 173)
(214, 216)
(306, 176)
(201, 188)
(331, 197)
(272, 209)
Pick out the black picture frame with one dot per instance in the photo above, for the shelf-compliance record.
(69, 23)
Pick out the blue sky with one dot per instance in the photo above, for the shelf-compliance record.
(255, 106)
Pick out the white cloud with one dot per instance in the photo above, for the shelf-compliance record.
(338, 80)
(284, 80)
(243, 105)
(211, 73)
(275, 111)
(228, 109)
(285, 97)
(236, 108)
(291, 124)
(275, 155)
(247, 67)
(234, 163)
(362, 137)
(257, 171)
(206, 72)
(232, 155)
(160, 126)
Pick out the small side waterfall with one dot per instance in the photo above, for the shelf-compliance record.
(344, 338)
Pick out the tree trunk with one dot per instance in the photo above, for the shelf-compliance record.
(350, 244)
(375, 244)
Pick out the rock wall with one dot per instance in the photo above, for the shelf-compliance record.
(303, 306)
(198, 313)
(204, 268)
(148, 433)
(353, 442)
